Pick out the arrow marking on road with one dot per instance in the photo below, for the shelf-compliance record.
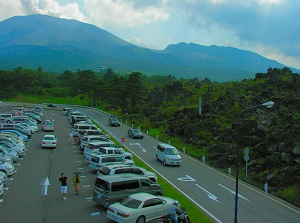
(45, 183)
(144, 150)
(186, 178)
(210, 195)
(233, 192)
(95, 214)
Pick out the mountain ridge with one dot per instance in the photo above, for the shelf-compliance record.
(58, 44)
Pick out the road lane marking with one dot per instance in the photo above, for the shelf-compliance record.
(186, 178)
(144, 150)
(95, 214)
(134, 144)
(233, 192)
(210, 195)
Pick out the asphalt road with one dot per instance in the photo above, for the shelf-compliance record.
(211, 190)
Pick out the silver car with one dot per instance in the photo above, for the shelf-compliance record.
(6, 151)
(6, 158)
(7, 168)
(20, 150)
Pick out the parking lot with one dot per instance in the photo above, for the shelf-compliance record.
(24, 198)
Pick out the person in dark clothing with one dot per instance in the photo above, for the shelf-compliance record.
(64, 185)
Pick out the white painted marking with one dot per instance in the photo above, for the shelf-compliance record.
(144, 150)
(95, 214)
(5, 188)
(82, 176)
(1, 200)
(134, 144)
(17, 164)
(80, 168)
(79, 161)
(186, 178)
(210, 195)
(85, 186)
(233, 192)
(89, 198)
(76, 156)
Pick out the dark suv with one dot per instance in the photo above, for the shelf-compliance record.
(113, 121)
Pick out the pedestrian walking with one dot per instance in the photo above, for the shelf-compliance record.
(71, 137)
(76, 182)
(64, 185)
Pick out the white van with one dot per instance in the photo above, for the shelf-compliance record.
(77, 127)
(168, 154)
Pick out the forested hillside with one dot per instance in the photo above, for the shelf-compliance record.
(169, 108)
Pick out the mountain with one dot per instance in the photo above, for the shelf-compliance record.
(60, 44)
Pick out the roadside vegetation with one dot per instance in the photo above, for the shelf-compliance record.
(168, 109)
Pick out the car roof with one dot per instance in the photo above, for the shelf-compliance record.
(49, 136)
(121, 177)
(100, 142)
(166, 145)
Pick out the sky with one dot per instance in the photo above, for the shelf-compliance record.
(270, 28)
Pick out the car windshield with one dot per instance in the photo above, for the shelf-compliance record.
(115, 119)
(136, 131)
(48, 123)
(131, 203)
(171, 151)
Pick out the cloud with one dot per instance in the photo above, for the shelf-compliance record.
(268, 22)
(124, 14)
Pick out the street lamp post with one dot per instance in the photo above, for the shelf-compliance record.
(268, 105)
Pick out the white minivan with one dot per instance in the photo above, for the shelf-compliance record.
(168, 154)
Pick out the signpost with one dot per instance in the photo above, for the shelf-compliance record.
(246, 158)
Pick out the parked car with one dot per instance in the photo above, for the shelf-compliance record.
(139, 207)
(1, 188)
(135, 133)
(93, 148)
(99, 160)
(7, 168)
(18, 132)
(112, 169)
(48, 126)
(6, 158)
(9, 118)
(113, 188)
(65, 110)
(49, 141)
(82, 126)
(91, 138)
(168, 154)
(6, 151)
(31, 127)
(10, 145)
(113, 121)
(3, 177)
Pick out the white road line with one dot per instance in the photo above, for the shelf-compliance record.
(233, 192)
(210, 195)
(95, 214)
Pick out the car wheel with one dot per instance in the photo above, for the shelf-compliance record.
(164, 163)
(157, 158)
(140, 219)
